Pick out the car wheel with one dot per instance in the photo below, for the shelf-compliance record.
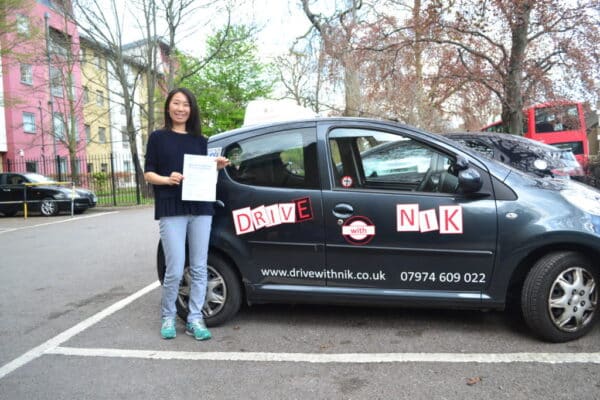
(223, 292)
(560, 297)
(49, 207)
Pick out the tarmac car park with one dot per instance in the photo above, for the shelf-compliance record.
(299, 220)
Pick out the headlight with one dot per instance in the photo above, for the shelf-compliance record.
(67, 194)
(583, 198)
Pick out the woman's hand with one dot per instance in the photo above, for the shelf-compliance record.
(222, 162)
(175, 178)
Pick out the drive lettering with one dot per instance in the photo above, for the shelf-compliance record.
(249, 219)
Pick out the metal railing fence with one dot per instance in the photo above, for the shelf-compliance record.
(111, 176)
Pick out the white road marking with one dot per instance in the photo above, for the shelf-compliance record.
(57, 222)
(346, 358)
(69, 333)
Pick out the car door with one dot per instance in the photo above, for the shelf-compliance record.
(272, 192)
(394, 219)
(12, 191)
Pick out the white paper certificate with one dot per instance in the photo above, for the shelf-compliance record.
(199, 178)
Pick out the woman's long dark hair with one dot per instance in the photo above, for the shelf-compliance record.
(192, 125)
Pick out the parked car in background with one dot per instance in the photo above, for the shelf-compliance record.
(362, 211)
(525, 154)
(42, 195)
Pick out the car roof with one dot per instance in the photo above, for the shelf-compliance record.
(314, 120)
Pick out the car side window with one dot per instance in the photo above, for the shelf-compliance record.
(16, 180)
(285, 159)
(379, 160)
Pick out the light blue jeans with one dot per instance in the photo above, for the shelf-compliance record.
(173, 231)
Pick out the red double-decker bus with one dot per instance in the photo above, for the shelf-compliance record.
(561, 124)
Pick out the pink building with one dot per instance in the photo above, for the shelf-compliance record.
(42, 93)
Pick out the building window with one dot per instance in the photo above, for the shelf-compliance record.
(90, 168)
(97, 61)
(22, 25)
(102, 134)
(88, 133)
(31, 166)
(104, 167)
(56, 82)
(26, 74)
(28, 122)
(99, 98)
(86, 95)
(59, 43)
(59, 126)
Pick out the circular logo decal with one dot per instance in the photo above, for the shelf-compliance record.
(347, 181)
(358, 230)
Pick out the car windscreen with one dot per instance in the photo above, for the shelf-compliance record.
(37, 178)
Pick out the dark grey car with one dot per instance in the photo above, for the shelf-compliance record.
(360, 211)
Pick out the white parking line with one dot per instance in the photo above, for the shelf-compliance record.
(69, 333)
(346, 358)
(57, 222)
(52, 346)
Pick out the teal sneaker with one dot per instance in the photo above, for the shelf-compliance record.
(198, 330)
(167, 330)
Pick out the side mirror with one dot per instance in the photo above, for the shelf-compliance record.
(469, 180)
(461, 164)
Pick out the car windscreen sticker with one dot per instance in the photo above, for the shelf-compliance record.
(358, 230)
(214, 152)
(410, 219)
(249, 219)
(346, 181)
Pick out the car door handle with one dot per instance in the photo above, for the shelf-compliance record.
(343, 210)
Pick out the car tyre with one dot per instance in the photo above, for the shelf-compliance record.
(559, 300)
(223, 293)
(49, 207)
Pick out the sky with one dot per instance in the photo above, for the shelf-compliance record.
(279, 23)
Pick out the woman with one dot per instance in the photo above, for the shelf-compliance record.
(179, 219)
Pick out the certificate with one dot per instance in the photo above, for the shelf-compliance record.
(199, 178)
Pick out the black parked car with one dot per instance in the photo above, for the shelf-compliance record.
(522, 153)
(42, 195)
(355, 211)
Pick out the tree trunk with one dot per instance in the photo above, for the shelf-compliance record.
(512, 107)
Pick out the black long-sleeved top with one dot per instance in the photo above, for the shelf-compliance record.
(164, 154)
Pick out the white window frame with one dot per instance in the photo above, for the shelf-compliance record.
(28, 122)
(26, 73)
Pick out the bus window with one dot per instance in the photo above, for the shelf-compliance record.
(556, 118)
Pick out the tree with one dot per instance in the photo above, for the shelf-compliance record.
(232, 78)
(337, 33)
(523, 52)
